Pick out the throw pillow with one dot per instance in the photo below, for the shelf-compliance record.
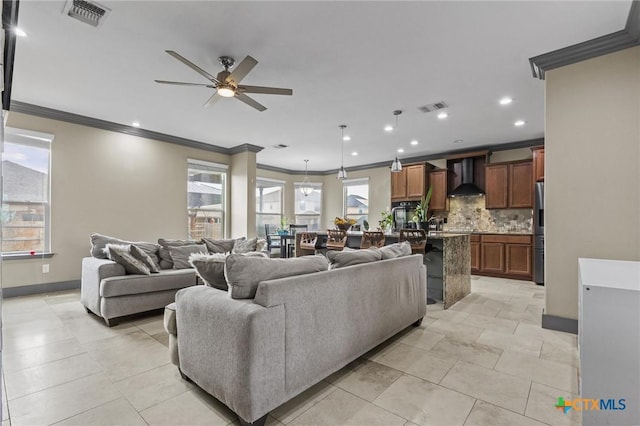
(219, 246)
(242, 245)
(210, 267)
(165, 245)
(141, 255)
(341, 259)
(180, 254)
(120, 253)
(396, 250)
(261, 245)
(99, 242)
(244, 273)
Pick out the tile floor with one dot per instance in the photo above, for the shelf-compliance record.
(484, 361)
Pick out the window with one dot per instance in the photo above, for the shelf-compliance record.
(356, 199)
(206, 199)
(308, 209)
(26, 163)
(269, 195)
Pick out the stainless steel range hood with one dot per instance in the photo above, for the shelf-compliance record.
(467, 187)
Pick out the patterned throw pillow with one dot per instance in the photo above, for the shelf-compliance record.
(99, 242)
(180, 254)
(210, 267)
(242, 245)
(218, 246)
(141, 255)
(120, 253)
(165, 244)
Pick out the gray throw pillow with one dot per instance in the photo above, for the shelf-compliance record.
(244, 273)
(341, 259)
(99, 242)
(120, 253)
(142, 255)
(165, 245)
(218, 246)
(180, 254)
(396, 250)
(210, 267)
(242, 245)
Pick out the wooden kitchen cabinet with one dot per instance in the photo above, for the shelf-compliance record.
(496, 186)
(507, 256)
(509, 185)
(521, 185)
(492, 257)
(438, 181)
(518, 259)
(538, 163)
(409, 183)
(399, 185)
(475, 253)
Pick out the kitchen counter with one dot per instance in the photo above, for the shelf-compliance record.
(448, 262)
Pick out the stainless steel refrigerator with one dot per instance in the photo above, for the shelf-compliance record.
(538, 234)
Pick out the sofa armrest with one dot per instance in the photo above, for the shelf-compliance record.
(233, 349)
(93, 271)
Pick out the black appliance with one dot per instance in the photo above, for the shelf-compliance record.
(538, 234)
(467, 187)
(402, 212)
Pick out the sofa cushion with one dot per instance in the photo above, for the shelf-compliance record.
(210, 267)
(218, 246)
(163, 252)
(396, 250)
(244, 273)
(121, 253)
(170, 319)
(171, 279)
(243, 245)
(99, 242)
(141, 255)
(180, 254)
(341, 259)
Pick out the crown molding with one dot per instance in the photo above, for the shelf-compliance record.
(619, 40)
(245, 147)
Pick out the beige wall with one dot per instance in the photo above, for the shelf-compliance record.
(592, 178)
(105, 182)
(242, 195)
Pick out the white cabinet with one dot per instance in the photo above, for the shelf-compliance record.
(609, 340)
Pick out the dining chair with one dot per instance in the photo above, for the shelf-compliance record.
(336, 239)
(270, 231)
(372, 239)
(306, 243)
(416, 237)
(293, 228)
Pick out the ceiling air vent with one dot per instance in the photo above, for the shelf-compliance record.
(280, 146)
(433, 107)
(88, 12)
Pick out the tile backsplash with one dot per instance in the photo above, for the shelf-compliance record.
(469, 214)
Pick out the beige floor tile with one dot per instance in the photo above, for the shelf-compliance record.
(416, 362)
(506, 305)
(510, 342)
(342, 408)
(365, 379)
(560, 353)
(41, 355)
(491, 323)
(92, 327)
(450, 315)
(42, 324)
(503, 390)
(541, 406)
(12, 343)
(551, 373)
(61, 402)
(163, 338)
(192, 408)
(485, 414)
(458, 331)
(23, 382)
(301, 403)
(128, 354)
(422, 338)
(425, 403)
(6, 423)
(62, 297)
(558, 338)
(69, 311)
(151, 325)
(5, 406)
(154, 386)
(475, 353)
(527, 317)
(118, 412)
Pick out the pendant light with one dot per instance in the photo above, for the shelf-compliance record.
(306, 187)
(342, 173)
(396, 166)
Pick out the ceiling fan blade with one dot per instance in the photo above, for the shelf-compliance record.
(241, 70)
(179, 83)
(192, 66)
(250, 101)
(212, 100)
(265, 90)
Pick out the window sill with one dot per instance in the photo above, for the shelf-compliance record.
(23, 256)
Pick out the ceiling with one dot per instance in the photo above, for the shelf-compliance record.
(347, 62)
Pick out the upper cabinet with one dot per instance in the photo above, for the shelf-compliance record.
(438, 181)
(409, 183)
(509, 185)
(538, 163)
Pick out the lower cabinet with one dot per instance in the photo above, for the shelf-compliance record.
(507, 256)
(475, 253)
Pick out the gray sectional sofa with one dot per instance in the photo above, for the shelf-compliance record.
(254, 354)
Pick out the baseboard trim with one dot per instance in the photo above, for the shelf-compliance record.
(27, 290)
(552, 322)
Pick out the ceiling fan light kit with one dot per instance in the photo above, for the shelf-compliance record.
(342, 173)
(396, 165)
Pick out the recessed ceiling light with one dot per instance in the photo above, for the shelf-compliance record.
(400, 150)
(519, 123)
(19, 32)
(458, 141)
(414, 142)
(443, 115)
(346, 138)
(136, 124)
(354, 153)
(388, 128)
(505, 101)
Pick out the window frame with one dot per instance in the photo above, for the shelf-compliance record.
(314, 185)
(273, 183)
(210, 167)
(354, 182)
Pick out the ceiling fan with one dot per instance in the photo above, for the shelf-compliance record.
(227, 83)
